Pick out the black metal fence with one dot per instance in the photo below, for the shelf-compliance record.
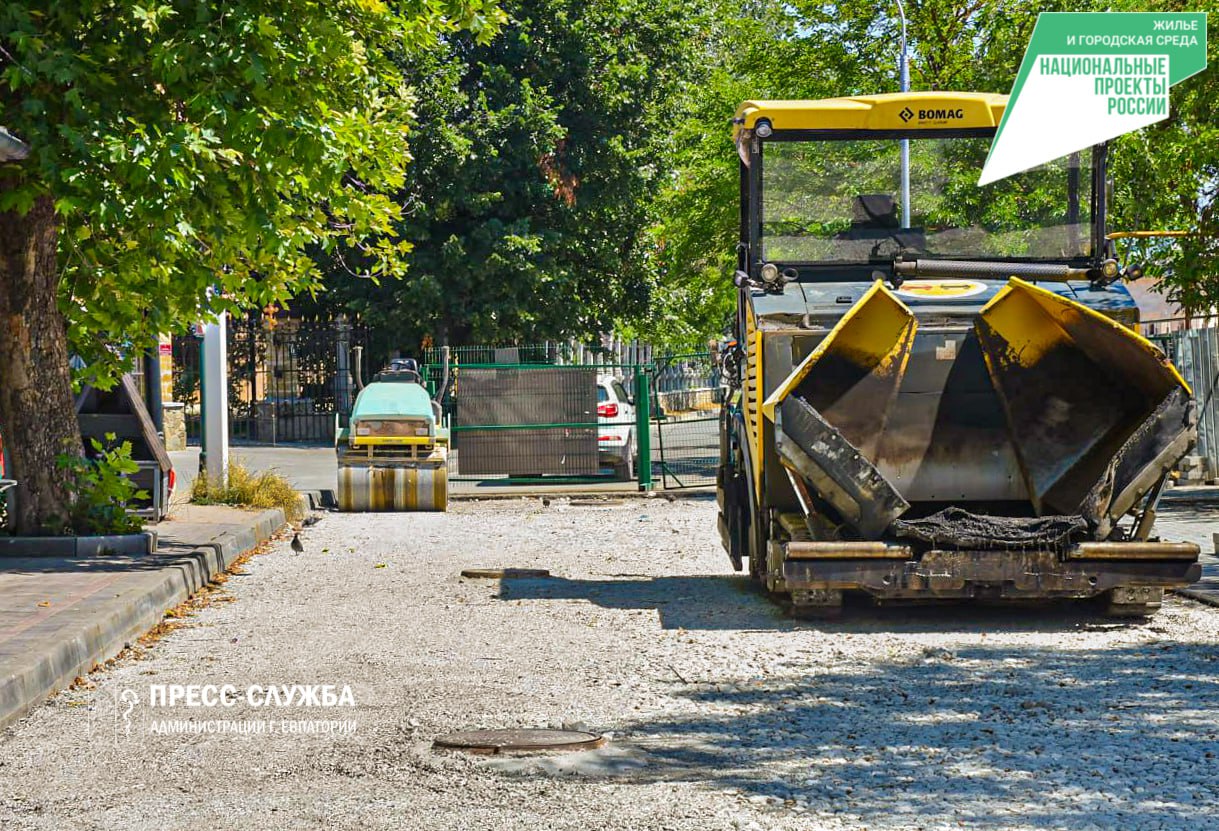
(288, 377)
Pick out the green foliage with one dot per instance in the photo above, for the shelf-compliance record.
(571, 174)
(101, 489)
(1166, 177)
(801, 49)
(249, 490)
(537, 159)
(187, 384)
(195, 146)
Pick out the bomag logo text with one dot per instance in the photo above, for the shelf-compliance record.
(940, 115)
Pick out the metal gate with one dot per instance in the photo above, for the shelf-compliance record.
(517, 412)
(685, 420)
(1195, 352)
(288, 377)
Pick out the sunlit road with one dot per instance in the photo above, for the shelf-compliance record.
(722, 712)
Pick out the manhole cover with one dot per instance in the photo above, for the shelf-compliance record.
(504, 573)
(529, 740)
(595, 503)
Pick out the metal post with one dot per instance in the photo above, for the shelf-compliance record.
(643, 427)
(660, 430)
(215, 429)
(342, 371)
(152, 388)
(903, 68)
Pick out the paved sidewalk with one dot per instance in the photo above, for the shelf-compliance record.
(1192, 515)
(1202, 494)
(60, 616)
(307, 467)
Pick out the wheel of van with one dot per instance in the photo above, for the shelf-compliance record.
(625, 470)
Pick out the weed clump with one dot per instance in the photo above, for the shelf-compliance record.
(249, 490)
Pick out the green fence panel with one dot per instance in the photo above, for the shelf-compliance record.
(676, 399)
(643, 428)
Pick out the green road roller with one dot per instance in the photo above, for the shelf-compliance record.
(393, 453)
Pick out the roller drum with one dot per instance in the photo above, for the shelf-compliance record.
(393, 488)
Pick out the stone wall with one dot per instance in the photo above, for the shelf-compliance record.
(175, 425)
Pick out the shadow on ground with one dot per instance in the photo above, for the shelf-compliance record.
(693, 602)
(989, 737)
(1073, 735)
(733, 601)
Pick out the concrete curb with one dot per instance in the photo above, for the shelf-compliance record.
(1203, 494)
(700, 492)
(1201, 596)
(323, 500)
(145, 542)
(94, 638)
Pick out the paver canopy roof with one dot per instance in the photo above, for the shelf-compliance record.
(890, 111)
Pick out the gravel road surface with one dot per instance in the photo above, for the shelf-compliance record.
(722, 712)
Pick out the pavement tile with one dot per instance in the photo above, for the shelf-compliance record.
(61, 615)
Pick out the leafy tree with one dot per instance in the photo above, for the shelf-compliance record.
(803, 49)
(538, 156)
(1166, 177)
(186, 158)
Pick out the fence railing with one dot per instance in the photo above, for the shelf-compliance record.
(1195, 353)
(287, 377)
(509, 419)
(682, 380)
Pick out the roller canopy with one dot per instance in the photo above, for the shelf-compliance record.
(382, 399)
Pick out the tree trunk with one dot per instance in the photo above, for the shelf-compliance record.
(37, 414)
